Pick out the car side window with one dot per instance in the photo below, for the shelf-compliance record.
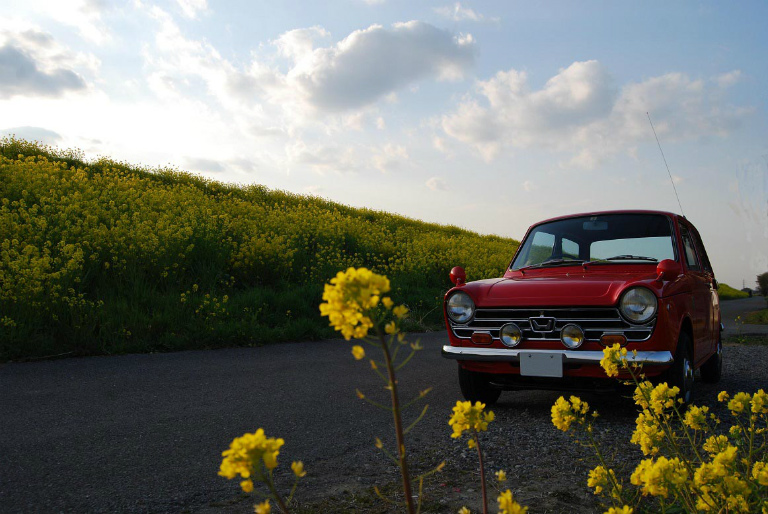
(702, 253)
(690, 250)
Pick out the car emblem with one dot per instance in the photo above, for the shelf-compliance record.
(542, 324)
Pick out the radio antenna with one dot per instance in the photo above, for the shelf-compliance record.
(665, 163)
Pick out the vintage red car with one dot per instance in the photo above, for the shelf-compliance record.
(578, 284)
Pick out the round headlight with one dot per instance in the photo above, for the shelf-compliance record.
(510, 335)
(638, 304)
(460, 307)
(572, 336)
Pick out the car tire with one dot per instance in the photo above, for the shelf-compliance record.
(681, 374)
(476, 387)
(712, 370)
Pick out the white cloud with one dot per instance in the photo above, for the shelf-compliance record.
(457, 12)
(84, 15)
(372, 63)
(389, 158)
(32, 63)
(436, 184)
(581, 112)
(45, 136)
(191, 8)
(529, 186)
(380, 123)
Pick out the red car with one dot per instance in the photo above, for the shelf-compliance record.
(578, 284)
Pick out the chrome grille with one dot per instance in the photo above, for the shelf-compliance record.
(594, 321)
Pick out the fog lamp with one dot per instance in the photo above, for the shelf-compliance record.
(572, 336)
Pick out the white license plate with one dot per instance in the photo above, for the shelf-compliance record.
(534, 364)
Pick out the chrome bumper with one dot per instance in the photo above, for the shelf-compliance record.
(568, 356)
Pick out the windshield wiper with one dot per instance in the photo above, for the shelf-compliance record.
(551, 262)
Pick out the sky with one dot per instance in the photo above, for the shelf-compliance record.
(488, 115)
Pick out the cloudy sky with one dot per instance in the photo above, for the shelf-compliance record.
(489, 115)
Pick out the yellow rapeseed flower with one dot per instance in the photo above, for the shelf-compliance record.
(600, 479)
(696, 417)
(247, 485)
(648, 435)
(740, 403)
(298, 469)
(760, 402)
(390, 328)
(626, 509)
(507, 504)
(613, 358)
(387, 302)
(565, 412)
(263, 508)
(464, 510)
(715, 444)
(358, 352)
(350, 298)
(501, 475)
(469, 417)
(400, 311)
(659, 477)
(249, 452)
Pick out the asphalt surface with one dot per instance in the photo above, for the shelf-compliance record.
(731, 309)
(144, 433)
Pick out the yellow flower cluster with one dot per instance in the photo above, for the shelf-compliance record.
(350, 298)
(469, 417)
(602, 479)
(730, 475)
(246, 456)
(508, 505)
(657, 477)
(565, 412)
(614, 357)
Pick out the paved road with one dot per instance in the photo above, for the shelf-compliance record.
(144, 433)
(732, 308)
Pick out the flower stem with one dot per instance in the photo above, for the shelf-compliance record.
(482, 473)
(403, 462)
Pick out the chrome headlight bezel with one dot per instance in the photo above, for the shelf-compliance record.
(572, 336)
(504, 331)
(638, 305)
(460, 307)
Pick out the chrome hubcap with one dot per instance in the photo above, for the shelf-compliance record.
(687, 380)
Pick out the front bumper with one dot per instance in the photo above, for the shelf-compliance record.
(652, 358)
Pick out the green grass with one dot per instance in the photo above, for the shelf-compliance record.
(757, 317)
(726, 292)
(105, 257)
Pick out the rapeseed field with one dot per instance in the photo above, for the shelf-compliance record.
(104, 257)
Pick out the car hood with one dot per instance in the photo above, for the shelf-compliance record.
(558, 289)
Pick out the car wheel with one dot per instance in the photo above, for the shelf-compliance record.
(681, 374)
(712, 370)
(475, 387)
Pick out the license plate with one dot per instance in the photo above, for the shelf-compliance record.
(534, 364)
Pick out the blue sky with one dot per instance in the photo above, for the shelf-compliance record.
(486, 115)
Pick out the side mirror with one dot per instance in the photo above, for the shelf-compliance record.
(458, 276)
(668, 270)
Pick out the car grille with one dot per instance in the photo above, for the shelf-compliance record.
(593, 321)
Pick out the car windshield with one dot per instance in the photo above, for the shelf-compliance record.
(603, 239)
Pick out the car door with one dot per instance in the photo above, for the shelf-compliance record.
(714, 299)
(701, 290)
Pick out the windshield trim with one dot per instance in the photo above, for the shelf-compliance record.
(669, 217)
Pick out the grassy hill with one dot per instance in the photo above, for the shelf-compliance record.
(726, 292)
(104, 257)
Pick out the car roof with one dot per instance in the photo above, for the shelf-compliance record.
(603, 213)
